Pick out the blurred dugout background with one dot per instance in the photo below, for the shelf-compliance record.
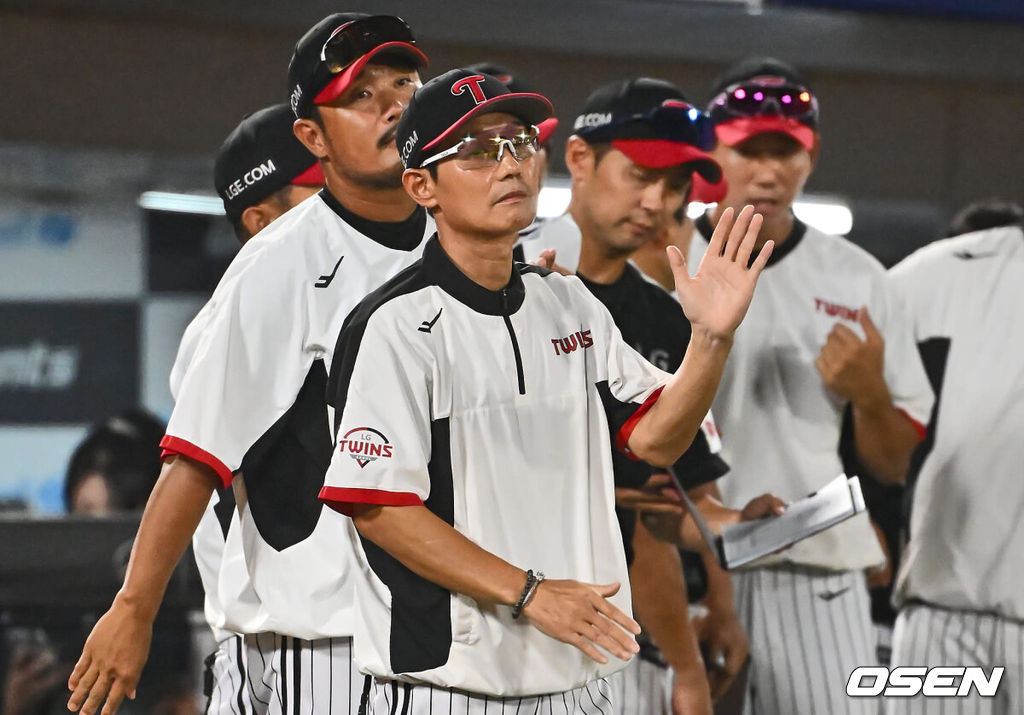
(921, 113)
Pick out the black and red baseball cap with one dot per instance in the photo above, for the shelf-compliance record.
(515, 83)
(762, 95)
(334, 51)
(650, 121)
(443, 105)
(261, 156)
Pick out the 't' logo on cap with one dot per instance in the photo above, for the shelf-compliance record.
(473, 85)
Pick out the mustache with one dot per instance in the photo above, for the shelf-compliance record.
(387, 138)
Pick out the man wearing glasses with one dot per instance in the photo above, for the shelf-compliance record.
(472, 440)
(826, 337)
(250, 409)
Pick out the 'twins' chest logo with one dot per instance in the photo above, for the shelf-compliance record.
(836, 310)
(580, 340)
(365, 445)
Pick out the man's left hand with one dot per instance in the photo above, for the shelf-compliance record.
(853, 368)
(727, 648)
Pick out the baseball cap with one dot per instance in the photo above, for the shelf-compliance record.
(261, 156)
(515, 83)
(762, 95)
(333, 52)
(650, 121)
(441, 106)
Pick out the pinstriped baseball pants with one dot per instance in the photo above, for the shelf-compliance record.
(808, 630)
(271, 674)
(392, 698)
(931, 636)
(642, 687)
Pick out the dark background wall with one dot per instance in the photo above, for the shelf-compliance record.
(103, 99)
(914, 109)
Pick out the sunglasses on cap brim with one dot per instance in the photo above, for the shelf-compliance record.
(767, 97)
(674, 121)
(354, 39)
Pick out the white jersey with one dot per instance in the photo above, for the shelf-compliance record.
(492, 409)
(561, 234)
(773, 397)
(210, 535)
(250, 399)
(965, 297)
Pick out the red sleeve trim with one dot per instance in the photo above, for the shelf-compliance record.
(341, 498)
(176, 445)
(622, 438)
(922, 431)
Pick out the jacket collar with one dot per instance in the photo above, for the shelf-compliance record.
(446, 275)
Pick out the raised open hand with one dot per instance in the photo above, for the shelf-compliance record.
(716, 298)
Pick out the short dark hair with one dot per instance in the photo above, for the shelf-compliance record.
(600, 149)
(314, 114)
(981, 215)
(125, 451)
(432, 170)
(278, 197)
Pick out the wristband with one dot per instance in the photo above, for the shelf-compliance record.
(531, 585)
(538, 577)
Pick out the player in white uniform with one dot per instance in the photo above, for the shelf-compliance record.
(825, 334)
(473, 438)
(960, 588)
(631, 174)
(262, 170)
(251, 400)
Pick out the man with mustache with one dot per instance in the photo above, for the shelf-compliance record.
(475, 400)
(250, 410)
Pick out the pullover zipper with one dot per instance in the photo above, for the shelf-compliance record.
(515, 343)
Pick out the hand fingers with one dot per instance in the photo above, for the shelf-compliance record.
(80, 668)
(677, 262)
(719, 682)
(665, 503)
(740, 230)
(870, 331)
(762, 506)
(605, 590)
(613, 639)
(824, 364)
(117, 693)
(587, 647)
(82, 687)
(546, 259)
(762, 258)
(716, 658)
(662, 507)
(749, 240)
(844, 335)
(717, 242)
(658, 479)
(96, 695)
(733, 660)
(612, 613)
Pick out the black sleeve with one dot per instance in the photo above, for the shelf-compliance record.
(699, 465)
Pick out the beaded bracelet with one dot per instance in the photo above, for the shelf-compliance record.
(532, 580)
(538, 577)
